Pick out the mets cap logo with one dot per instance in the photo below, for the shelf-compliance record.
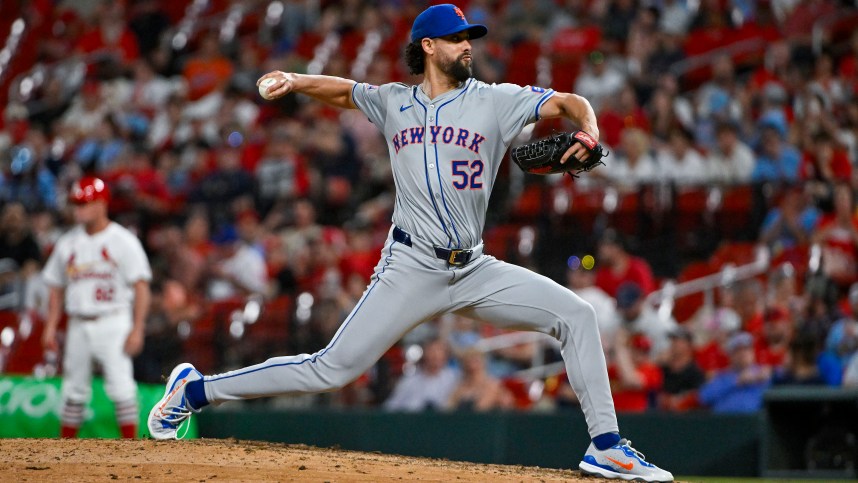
(459, 13)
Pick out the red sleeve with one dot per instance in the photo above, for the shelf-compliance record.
(652, 376)
(130, 50)
(824, 221)
(642, 274)
(606, 282)
(841, 167)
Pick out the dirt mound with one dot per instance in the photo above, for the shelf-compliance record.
(231, 460)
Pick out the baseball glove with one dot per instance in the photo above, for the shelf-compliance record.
(543, 155)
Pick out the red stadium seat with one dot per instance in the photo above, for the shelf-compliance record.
(685, 307)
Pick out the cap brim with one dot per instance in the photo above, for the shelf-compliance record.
(475, 31)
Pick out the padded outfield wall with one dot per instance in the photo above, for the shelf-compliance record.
(688, 444)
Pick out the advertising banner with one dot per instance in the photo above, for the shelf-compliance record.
(30, 408)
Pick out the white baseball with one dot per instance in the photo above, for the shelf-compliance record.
(263, 88)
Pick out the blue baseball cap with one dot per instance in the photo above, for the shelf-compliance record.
(441, 20)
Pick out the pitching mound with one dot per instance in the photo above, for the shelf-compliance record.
(230, 460)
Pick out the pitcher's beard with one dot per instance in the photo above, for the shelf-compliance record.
(458, 70)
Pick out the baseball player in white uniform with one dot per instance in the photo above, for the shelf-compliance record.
(101, 271)
(446, 138)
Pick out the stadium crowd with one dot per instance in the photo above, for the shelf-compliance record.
(286, 204)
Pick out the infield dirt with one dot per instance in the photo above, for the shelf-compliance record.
(230, 460)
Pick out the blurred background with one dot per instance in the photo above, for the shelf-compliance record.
(719, 245)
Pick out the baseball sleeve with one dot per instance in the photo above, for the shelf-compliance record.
(54, 272)
(135, 265)
(516, 107)
(372, 101)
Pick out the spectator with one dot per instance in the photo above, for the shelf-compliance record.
(634, 377)
(304, 231)
(162, 348)
(17, 242)
(800, 18)
(637, 316)
(776, 160)
(750, 304)
(208, 71)
(774, 68)
(675, 17)
(740, 388)
(635, 165)
(713, 328)
(601, 81)
(137, 187)
(239, 270)
(641, 40)
(619, 113)
(837, 233)
(617, 265)
(618, 21)
(824, 166)
(791, 223)
(800, 368)
(731, 161)
(842, 340)
(224, 187)
(109, 40)
(821, 312)
(148, 21)
(477, 390)
(29, 180)
(86, 113)
(667, 53)
(773, 344)
(663, 117)
(582, 282)
(281, 173)
(682, 376)
(148, 91)
(102, 149)
(782, 291)
(177, 258)
(169, 126)
(679, 162)
(45, 229)
(430, 386)
(718, 100)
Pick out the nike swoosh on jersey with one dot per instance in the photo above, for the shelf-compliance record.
(404, 108)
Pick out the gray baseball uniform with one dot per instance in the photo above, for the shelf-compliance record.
(445, 154)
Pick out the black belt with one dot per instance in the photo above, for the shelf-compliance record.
(453, 256)
(86, 318)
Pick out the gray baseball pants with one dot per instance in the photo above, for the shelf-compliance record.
(410, 285)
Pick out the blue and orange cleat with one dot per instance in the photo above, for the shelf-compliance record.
(621, 461)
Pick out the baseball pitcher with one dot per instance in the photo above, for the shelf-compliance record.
(101, 272)
(446, 138)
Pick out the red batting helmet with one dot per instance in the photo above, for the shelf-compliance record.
(87, 189)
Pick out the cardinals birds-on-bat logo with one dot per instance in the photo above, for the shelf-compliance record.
(90, 270)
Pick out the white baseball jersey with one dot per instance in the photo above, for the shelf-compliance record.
(98, 271)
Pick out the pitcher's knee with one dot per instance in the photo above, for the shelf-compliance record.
(338, 379)
(580, 317)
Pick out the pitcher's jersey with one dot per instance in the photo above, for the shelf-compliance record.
(445, 152)
(97, 271)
